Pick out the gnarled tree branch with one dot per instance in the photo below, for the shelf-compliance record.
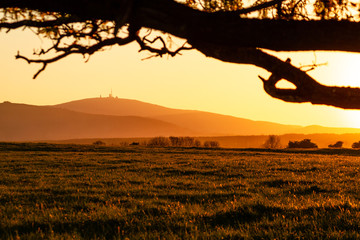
(145, 44)
(77, 49)
(307, 88)
(37, 24)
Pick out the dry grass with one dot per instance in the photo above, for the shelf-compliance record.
(87, 192)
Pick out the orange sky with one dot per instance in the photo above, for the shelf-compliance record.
(190, 81)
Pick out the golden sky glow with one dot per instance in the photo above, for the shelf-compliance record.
(190, 81)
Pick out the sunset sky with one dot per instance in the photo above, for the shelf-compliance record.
(190, 81)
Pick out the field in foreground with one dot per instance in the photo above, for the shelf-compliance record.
(83, 192)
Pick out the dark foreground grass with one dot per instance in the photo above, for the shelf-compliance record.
(82, 192)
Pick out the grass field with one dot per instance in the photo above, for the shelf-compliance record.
(83, 192)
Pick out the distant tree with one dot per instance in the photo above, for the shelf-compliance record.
(305, 143)
(188, 142)
(211, 144)
(159, 142)
(197, 143)
(183, 142)
(273, 142)
(175, 141)
(356, 145)
(99, 143)
(338, 144)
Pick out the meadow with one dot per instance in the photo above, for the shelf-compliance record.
(50, 191)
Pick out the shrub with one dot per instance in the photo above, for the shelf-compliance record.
(159, 142)
(272, 142)
(188, 142)
(175, 141)
(306, 143)
(211, 144)
(179, 142)
(356, 145)
(184, 142)
(197, 143)
(338, 144)
(99, 143)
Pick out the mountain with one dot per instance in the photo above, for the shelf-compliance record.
(320, 129)
(21, 122)
(217, 124)
(122, 118)
(117, 106)
(204, 123)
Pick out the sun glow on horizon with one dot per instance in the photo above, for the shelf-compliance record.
(352, 118)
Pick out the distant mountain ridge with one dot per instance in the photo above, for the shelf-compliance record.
(21, 122)
(118, 107)
(124, 118)
(205, 123)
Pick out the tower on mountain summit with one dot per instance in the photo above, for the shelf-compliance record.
(111, 95)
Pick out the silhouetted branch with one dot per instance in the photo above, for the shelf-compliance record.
(343, 97)
(307, 88)
(37, 24)
(92, 25)
(258, 7)
(142, 41)
(77, 49)
(311, 67)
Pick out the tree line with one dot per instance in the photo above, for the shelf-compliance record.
(180, 142)
(274, 142)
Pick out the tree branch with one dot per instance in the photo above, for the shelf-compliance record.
(38, 24)
(227, 28)
(220, 27)
(258, 7)
(77, 49)
(307, 88)
(142, 41)
(221, 35)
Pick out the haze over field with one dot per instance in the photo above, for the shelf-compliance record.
(113, 117)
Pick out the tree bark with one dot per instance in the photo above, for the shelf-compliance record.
(227, 28)
(218, 28)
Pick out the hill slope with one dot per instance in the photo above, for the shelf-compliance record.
(117, 106)
(122, 118)
(217, 124)
(204, 123)
(20, 122)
